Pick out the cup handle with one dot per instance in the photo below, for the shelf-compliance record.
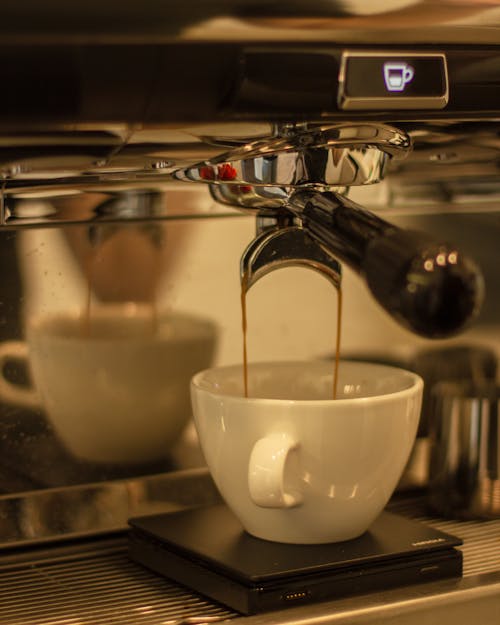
(266, 472)
(408, 74)
(10, 392)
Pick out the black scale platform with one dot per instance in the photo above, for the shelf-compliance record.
(207, 550)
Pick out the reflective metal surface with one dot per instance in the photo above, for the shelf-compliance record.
(284, 247)
(450, 163)
(49, 515)
(100, 207)
(54, 585)
(339, 156)
(465, 449)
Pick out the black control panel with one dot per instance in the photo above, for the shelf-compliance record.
(383, 83)
(378, 80)
(158, 83)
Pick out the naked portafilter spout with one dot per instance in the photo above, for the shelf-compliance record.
(296, 184)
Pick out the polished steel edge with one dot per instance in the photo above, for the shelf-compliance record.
(400, 194)
(380, 103)
(80, 511)
(75, 204)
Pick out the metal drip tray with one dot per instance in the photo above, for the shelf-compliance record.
(93, 582)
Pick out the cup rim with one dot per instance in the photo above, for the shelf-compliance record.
(417, 384)
(200, 327)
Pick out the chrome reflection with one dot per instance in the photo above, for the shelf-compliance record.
(338, 155)
(284, 247)
(451, 165)
(52, 514)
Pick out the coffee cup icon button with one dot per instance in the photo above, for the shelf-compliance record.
(397, 75)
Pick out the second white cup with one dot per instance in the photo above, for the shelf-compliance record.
(116, 389)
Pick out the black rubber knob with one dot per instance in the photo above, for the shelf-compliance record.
(431, 288)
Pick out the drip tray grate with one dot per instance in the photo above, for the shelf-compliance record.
(107, 589)
(97, 584)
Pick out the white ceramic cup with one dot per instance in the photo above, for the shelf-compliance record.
(295, 465)
(117, 390)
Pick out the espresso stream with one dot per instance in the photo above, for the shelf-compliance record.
(244, 290)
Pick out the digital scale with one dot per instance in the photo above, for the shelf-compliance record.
(207, 550)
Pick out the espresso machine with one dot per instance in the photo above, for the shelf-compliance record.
(159, 159)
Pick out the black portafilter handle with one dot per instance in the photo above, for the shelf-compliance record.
(430, 288)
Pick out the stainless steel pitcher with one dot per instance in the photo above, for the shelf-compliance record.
(465, 450)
